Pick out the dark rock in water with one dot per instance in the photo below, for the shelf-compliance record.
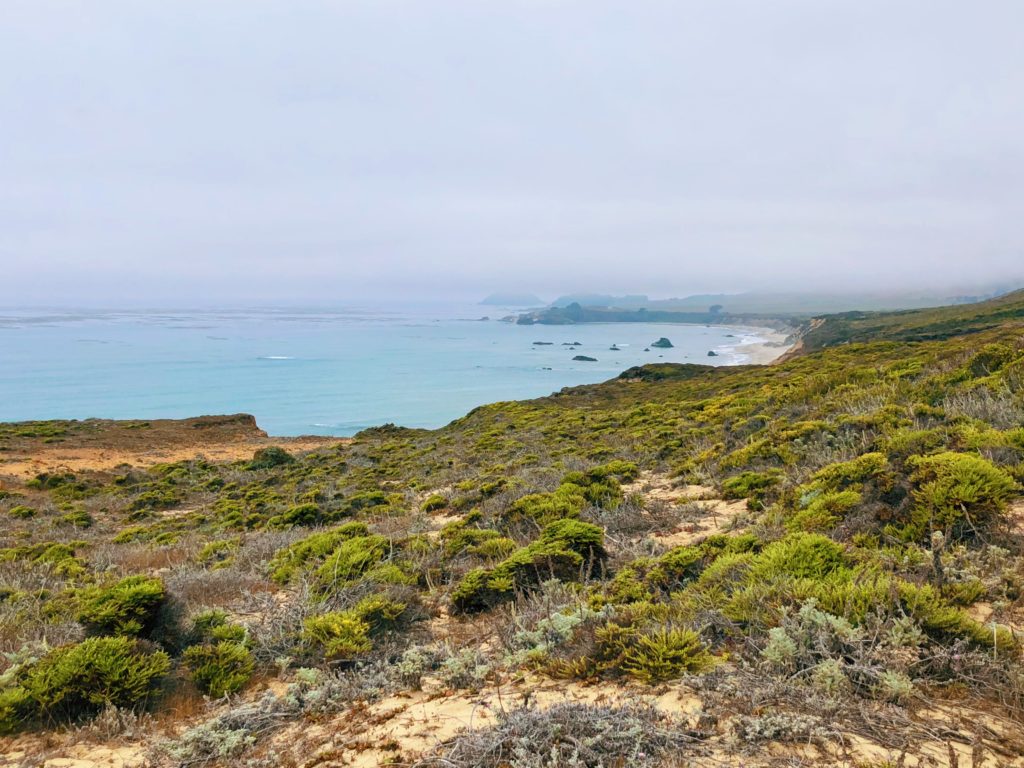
(663, 343)
(712, 353)
(614, 348)
(647, 349)
(585, 359)
(545, 369)
(483, 319)
(571, 344)
(730, 335)
(543, 343)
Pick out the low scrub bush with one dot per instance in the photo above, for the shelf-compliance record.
(566, 549)
(801, 556)
(221, 669)
(956, 493)
(755, 487)
(128, 608)
(345, 635)
(75, 681)
(351, 559)
(270, 457)
(291, 560)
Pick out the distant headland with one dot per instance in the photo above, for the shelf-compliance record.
(513, 300)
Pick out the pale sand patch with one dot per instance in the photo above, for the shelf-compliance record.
(94, 756)
(410, 724)
(663, 488)
(721, 517)
(714, 516)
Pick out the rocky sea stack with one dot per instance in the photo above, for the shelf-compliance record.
(662, 343)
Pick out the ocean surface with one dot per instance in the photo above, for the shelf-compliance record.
(315, 371)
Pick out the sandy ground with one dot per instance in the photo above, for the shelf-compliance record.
(104, 445)
(101, 459)
(775, 345)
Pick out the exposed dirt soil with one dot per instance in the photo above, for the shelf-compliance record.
(103, 445)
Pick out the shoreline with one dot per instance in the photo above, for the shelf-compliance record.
(237, 437)
(756, 346)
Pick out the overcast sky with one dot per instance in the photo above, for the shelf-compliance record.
(245, 150)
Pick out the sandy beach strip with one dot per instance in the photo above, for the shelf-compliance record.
(756, 346)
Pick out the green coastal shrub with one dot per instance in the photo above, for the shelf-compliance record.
(380, 612)
(957, 493)
(340, 634)
(75, 681)
(128, 608)
(219, 670)
(270, 457)
(752, 486)
(365, 500)
(946, 622)
(990, 359)
(307, 514)
(648, 579)
(567, 501)
(823, 511)
(344, 635)
(218, 554)
(213, 626)
(636, 642)
(664, 654)
(848, 474)
(799, 556)
(566, 549)
(459, 538)
(78, 518)
(291, 560)
(21, 512)
(433, 503)
(60, 557)
(351, 559)
(598, 487)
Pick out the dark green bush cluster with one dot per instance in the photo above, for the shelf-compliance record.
(598, 487)
(345, 635)
(270, 457)
(566, 549)
(755, 487)
(462, 538)
(74, 681)
(217, 657)
(640, 641)
(956, 493)
(128, 608)
(60, 557)
(433, 503)
(313, 549)
(649, 578)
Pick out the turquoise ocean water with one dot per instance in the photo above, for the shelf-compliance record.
(313, 371)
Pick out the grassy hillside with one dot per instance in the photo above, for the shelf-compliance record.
(826, 554)
(916, 325)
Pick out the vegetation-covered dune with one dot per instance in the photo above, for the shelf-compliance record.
(815, 562)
